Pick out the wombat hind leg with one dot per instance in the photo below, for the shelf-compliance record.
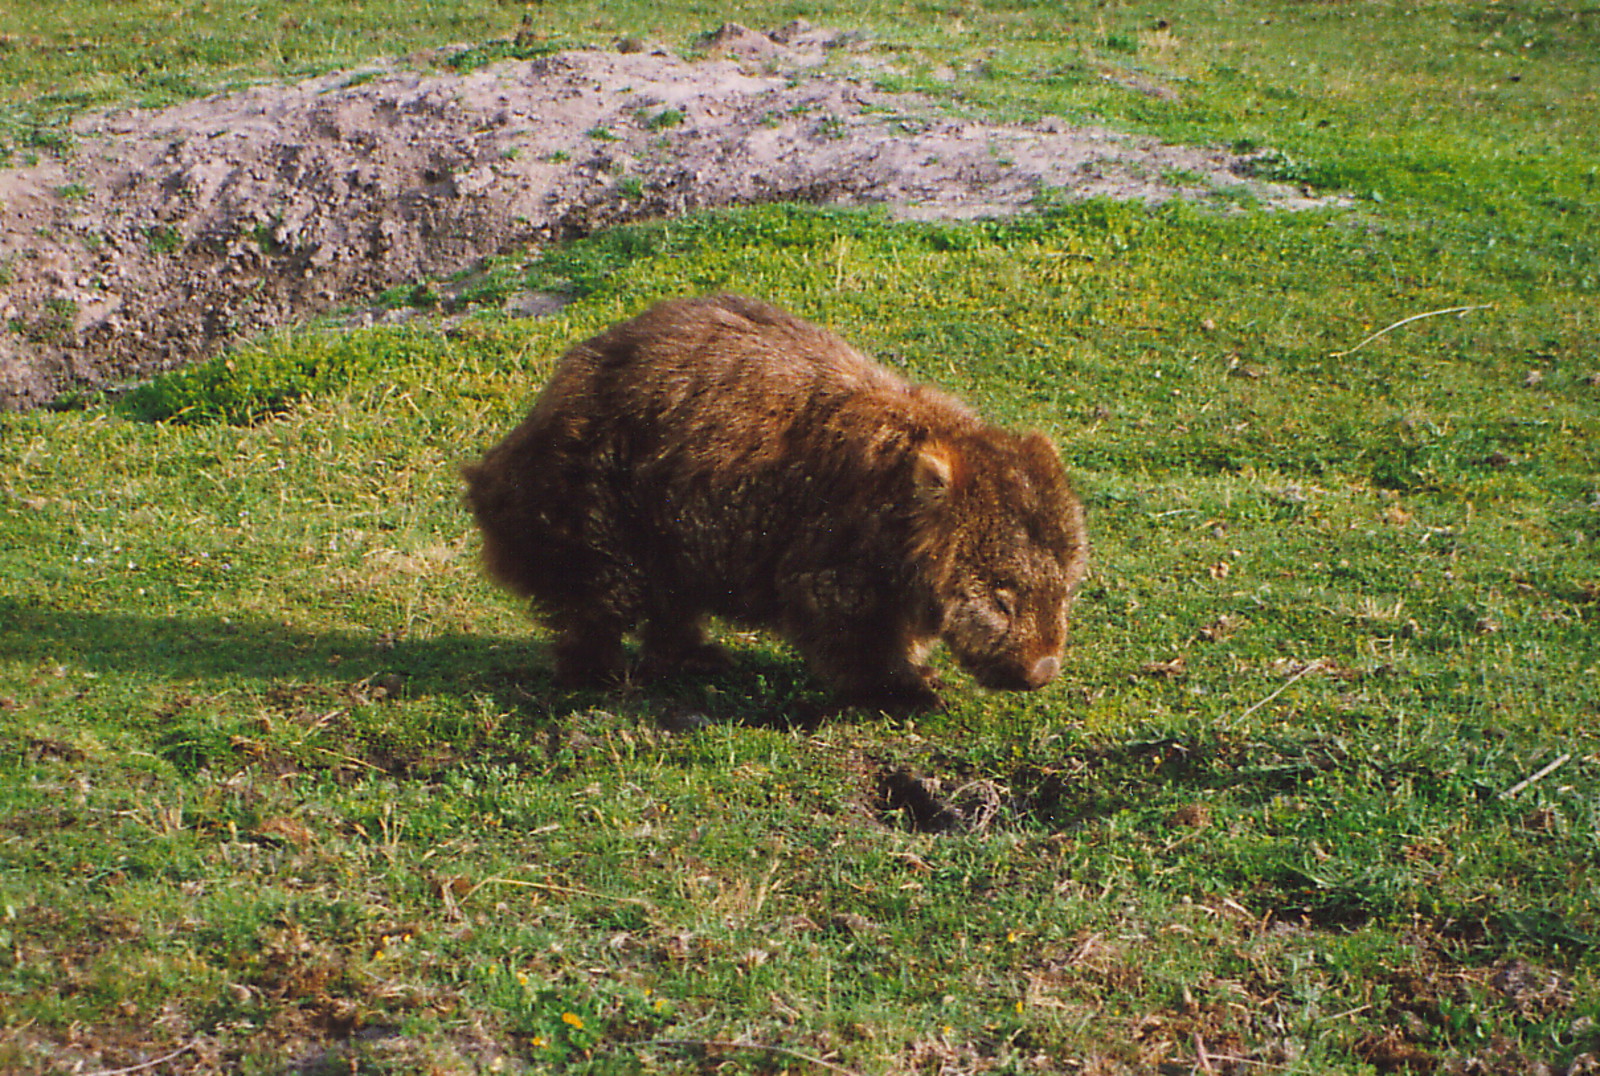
(681, 644)
(588, 652)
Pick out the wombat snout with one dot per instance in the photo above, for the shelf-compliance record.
(1019, 677)
(1044, 670)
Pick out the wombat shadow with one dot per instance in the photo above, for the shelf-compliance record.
(763, 689)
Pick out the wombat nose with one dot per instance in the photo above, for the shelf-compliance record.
(1044, 670)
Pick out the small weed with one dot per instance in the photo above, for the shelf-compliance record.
(163, 239)
(518, 48)
(265, 234)
(1278, 166)
(50, 325)
(1126, 43)
(360, 78)
(663, 120)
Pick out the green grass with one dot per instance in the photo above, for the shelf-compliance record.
(285, 782)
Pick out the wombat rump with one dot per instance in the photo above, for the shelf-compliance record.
(721, 457)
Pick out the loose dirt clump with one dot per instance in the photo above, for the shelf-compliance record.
(165, 234)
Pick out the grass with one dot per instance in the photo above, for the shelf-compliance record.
(287, 787)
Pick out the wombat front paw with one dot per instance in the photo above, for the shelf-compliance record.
(900, 696)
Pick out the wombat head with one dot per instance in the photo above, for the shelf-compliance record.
(1004, 536)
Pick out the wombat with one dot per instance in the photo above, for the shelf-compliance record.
(720, 457)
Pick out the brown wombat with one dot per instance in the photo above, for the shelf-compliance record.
(718, 456)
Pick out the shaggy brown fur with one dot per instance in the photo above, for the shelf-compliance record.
(719, 456)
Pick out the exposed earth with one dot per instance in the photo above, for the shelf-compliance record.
(165, 234)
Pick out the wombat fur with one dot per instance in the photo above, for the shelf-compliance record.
(721, 457)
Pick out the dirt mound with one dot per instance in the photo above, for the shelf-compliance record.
(166, 234)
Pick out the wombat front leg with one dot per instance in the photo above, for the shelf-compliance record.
(872, 672)
(911, 688)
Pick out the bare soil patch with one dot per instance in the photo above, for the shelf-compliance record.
(166, 234)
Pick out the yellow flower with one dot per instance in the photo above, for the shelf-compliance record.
(572, 1019)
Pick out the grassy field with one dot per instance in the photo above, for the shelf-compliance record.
(285, 786)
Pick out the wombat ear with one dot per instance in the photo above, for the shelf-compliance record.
(1041, 452)
(933, 471)
(1040, 446)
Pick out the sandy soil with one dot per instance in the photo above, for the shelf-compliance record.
(166, 234)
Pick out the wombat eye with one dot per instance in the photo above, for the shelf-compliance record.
(1005, 599)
